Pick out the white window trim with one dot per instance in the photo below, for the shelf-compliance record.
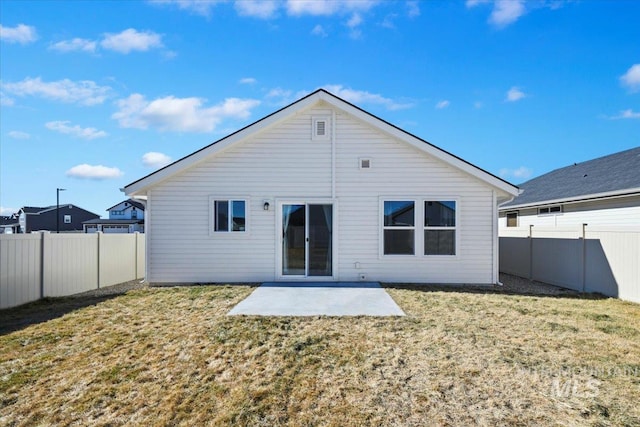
(418, 227)
(506, 218)
(560, 212)
(65, 219)
(327, 128)
(212, 210)
(456, 228)
(382, 227)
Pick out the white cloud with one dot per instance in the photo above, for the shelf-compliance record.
(506, 12)
(22, 34)
(413, 10)
(319, 30)
(96, 172)
(474, 3)
(631, 79)
(247, 81)
(364, 97)
(84, 92)
(4, 211)
(478, 105)
(387, 22)
(130, 40)
(442, 104)
(515, 94)
(327, 7)
(6, 101)
(77, 131)
(75, 45)
(199, 7)
(263, 9)
(520, 173)
(353, 23)
(627, 114)
(155, 160)
(179, 114)
(16, 134)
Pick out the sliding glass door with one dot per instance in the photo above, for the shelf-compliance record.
(307, 240)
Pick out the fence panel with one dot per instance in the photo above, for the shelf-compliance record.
(613, 263)
(20, 269)
(558, 261)
(39, 265)
(141, 245)
(117, 258)
(70, 264)
(515, 256)
(606, 261)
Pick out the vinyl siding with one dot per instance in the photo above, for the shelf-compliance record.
(285, 163)
(613, 212)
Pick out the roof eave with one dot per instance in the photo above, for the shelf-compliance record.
(576, 199)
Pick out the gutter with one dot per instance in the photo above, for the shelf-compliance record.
(577, 199)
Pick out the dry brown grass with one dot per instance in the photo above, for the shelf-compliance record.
(170, 356)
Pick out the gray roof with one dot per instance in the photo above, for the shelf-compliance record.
(132, 202)
(613, 173)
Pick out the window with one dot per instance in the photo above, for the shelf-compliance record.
(134, 213)
(512, 219)
(67, 219)
(229, 215)
(550, 210)
(399, 228)
(440, 227)
(365, 163)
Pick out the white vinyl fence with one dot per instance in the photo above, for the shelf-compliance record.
(589, 259)
(34, 266)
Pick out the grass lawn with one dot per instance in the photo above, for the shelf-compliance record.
(170, 356)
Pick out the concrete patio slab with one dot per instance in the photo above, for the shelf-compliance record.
(318, 299)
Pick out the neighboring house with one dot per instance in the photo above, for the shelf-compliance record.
(9, 224)
(322, 190)
(44, 219)
(602, 191)
(125, 217)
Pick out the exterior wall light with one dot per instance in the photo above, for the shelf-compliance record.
(266, 206)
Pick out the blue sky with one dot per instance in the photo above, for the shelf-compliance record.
(95, 95)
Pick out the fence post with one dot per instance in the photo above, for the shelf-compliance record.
(135, 257)
(530, 252)
(584, 257)
(99, 233)
(42, 254)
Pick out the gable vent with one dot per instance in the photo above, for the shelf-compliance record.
(321, 128)
(365, 163)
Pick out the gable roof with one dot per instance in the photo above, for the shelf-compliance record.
(615, 174)
(131, 202)
(140, 186)
(33, 210)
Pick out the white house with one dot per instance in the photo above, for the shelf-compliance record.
(125, 217)
(599, 192)
(322, 190)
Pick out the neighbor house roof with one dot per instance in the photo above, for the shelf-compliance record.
(131, 202)
(613, 175)
(39, 210)
(139, 187)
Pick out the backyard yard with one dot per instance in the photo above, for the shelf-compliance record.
(461, 356)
